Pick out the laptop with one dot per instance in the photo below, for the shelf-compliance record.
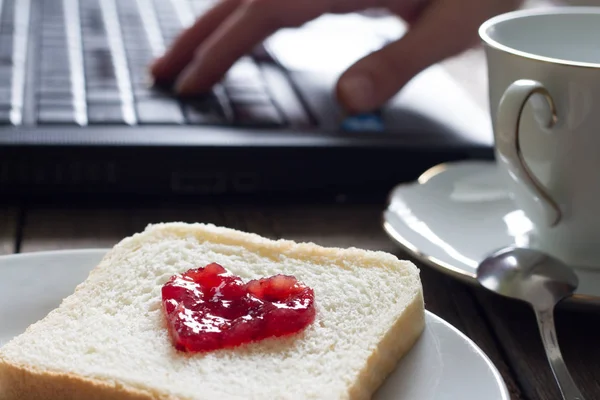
(79, 116)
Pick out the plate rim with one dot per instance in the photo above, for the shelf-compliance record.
(499, 380)
(38, 253)
(490, 364)
(441, 266)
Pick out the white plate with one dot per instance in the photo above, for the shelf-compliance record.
(457, 213)
(33, 284)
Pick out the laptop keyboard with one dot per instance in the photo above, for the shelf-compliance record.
(84, 62)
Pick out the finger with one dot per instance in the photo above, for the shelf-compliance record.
(181, 52)
(348, 6)
(235, 37)
(440, 31)
(409, 10)
(248, 26)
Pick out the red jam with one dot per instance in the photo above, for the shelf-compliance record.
(209, 308)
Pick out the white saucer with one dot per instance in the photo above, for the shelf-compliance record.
(33, 284)
(457, 213)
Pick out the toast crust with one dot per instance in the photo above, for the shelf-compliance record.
(25, 383)
(396, 343)
(262, 246)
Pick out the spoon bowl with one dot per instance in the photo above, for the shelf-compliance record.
(527, 275)
(542, 281)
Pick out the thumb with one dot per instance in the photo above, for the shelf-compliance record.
(440, 32)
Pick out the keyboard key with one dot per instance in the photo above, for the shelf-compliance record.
(53, 83)
(105, 114)
(56, 93)
(55, 44)
(52, 36)
(54, 59)
(56, 72)
(4, 115)
(363, 123)
(5, 74)
(247, 94)
(204, 112)
(159, 111)
(240, 96)
(218, 94)
(201, 7)
(99, 66)
(257, 115)
(5, 94)
(137, 56)
(5, 61)
(55, 114)
(6, 43)
(243, 71)
(6, 29)
(253, 82)
(285, 98)
(140, 81)
(103, 96)
(152, 93)
(91, 17)
(109, 84)
(93, 44)
(51, 101)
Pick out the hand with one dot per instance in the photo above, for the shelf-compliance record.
(438, 29)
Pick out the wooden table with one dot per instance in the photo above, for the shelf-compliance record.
(504, 329)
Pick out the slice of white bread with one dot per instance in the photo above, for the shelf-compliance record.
(109, 339)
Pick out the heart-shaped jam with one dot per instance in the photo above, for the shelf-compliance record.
(209, 308)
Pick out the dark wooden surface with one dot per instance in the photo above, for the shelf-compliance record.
(504, 329)
(8, 230)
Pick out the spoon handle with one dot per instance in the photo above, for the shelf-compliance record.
(567, 386)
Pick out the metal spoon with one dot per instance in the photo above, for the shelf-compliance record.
(542, 281)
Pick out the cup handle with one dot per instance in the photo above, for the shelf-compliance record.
(508, 145)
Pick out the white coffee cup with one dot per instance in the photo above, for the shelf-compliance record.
(544, 83)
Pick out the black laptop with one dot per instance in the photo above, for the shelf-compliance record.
(78, 114)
